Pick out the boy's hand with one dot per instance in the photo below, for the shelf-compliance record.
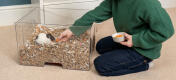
(65, 35)
(128, 42)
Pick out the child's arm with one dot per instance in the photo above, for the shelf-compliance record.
(99, 14)
(159, 28)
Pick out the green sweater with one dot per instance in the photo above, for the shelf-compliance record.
(147, 22)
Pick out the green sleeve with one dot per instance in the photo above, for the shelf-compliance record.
(159, 28)
(99, 14)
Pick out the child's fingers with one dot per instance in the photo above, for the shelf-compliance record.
(123, 43)
(63, 39)
(127, 35)
(61, 36)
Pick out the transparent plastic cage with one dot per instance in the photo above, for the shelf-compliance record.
(72, 54)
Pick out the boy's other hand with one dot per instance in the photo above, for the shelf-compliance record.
(65, 35)
(128, 42)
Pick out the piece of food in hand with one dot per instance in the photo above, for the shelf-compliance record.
(118, 37)
(57, 40)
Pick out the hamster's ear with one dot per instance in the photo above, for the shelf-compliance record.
(36, 37)
(50, 37)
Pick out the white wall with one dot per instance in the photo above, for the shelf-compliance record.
(65, 14)
(46, 2)
(10, 14)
